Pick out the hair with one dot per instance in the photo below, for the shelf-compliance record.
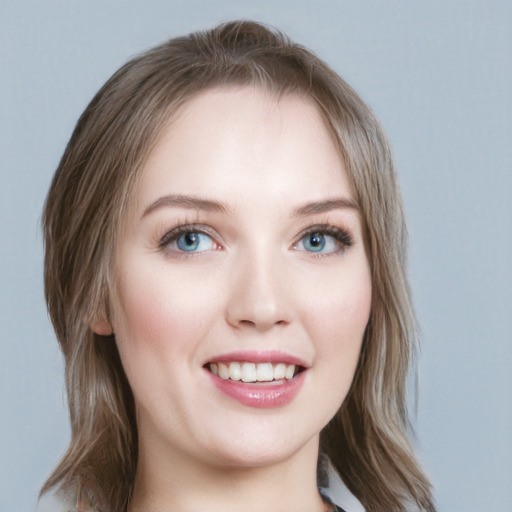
(367, 440)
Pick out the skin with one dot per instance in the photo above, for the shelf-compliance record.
(253, 284)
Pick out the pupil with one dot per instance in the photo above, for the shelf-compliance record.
(316, 240)
(188, 241)
(191, 239)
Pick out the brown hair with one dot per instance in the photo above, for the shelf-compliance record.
(367, 440)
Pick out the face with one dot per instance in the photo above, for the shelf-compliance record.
(243, 287)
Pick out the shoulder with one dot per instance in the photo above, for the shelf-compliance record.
(338, 492)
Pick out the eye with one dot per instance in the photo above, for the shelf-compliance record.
(318, 242)
(195, 242)
(327, 240)
(186, 239)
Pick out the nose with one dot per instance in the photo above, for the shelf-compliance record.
(259, 297)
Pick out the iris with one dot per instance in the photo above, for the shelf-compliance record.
(314, 242)
(193, 241)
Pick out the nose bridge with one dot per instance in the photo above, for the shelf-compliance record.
(259, 297)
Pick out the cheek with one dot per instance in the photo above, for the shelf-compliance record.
(339, 315)
(336, 321)
(158, 312)
(143, 314)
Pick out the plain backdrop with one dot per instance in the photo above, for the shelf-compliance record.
(438, 75)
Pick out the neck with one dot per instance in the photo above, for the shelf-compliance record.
(185, 485)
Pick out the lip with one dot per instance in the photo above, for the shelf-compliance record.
(259, 356)
(260, 395)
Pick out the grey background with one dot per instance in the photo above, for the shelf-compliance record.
(439, 76)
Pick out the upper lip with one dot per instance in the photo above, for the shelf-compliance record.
(259, 356)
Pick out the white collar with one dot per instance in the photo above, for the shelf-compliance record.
(338, 492)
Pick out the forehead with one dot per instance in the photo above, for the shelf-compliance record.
(244, 139)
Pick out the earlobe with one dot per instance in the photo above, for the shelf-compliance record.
(102, 327)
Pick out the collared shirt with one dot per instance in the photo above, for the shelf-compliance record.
(337, 492)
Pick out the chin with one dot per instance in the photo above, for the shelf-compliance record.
(256, 451)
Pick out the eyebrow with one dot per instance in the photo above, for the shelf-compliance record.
(199, 203)
(328, 205)
(188, 202)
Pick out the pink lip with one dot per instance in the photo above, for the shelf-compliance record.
(261, 395)
(259, 356)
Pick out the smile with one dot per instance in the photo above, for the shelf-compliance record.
(254, 372)
(258, 379)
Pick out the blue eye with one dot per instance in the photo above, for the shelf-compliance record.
(327, 241)
(193, 241)
(188, 239)
(315, 242)
(318, 242)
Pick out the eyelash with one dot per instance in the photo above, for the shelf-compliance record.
(340, 235)
(174, 234)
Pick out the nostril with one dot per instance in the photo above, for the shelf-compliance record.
(259, 325)
(248, 323)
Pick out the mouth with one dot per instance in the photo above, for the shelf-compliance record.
(258, 378)
(254, 373)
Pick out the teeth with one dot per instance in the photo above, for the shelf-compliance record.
(279, 371)
(235, 371)
(265, 372)
(252, 372)
(223, 371)
(249, 372)
(290, 370)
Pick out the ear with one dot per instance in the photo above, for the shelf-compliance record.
(101, 327)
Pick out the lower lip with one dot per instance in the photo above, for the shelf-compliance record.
(261, 395)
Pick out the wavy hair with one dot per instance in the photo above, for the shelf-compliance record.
(367, 440)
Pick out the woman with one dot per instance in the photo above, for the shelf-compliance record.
(225, 252)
